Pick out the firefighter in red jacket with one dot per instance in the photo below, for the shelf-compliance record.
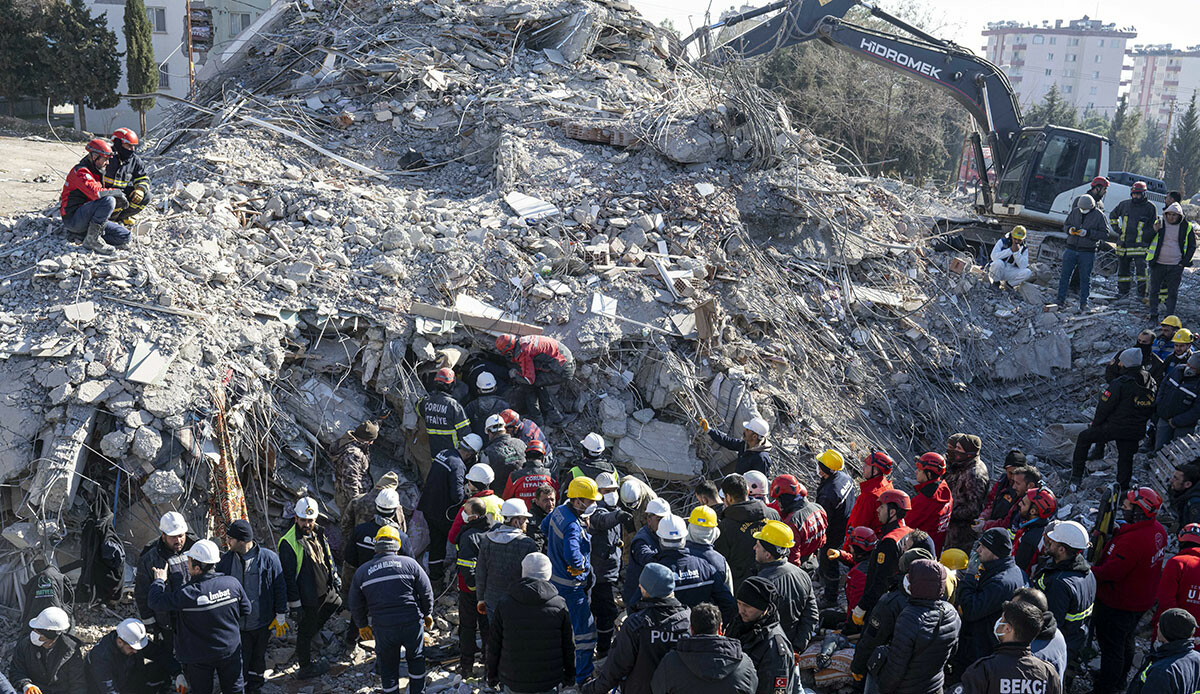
(541, 365)
(862, 545)
(893, 506)
(877, 468)
(1180, 583)
(932, 503)
(1127, 579)
(86, 205)
(806, 519)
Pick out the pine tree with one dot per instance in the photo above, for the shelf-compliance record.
(84, 53)
(1183, 154)
(1124, 133)
(23, 52)
(140, 69)
(1053, 110)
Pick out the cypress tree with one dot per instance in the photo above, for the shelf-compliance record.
(140, 69)
(1183, 154)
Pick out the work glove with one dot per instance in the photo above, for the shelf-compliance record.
(858, 616)
(703, 424)
(481, 607)
(366, 634)
(832, 553)
(857, 677)
(137, 196)
(516, 377)
(280, 625)
(624, 517)
(31, 688)
(428, 621)
(575, 572)
(181, 685)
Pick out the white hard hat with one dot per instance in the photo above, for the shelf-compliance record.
(631, 490)
(593, 443)
(473, 442)
(481, 473)
(493, 423)
(133, 632)
(205, 552)
(51, 619)
(605, 480)
(658, 507)
(1069, 533)
(388, 500)
(485, 382)
(514, 507)
(757, 483)
(672, 528)
(758, 425)
(172, 523)
(307, 508)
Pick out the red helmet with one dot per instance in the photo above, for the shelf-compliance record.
(98, 146)
(510, 417)
(126, 136)
(932, 462)
(1042, 501)
(1146, 499)
(864, 538)
(897, 497)
(506, 343)
(536, 446)
(880, 460)
(444, 375)
(1190, 533)
(1100, 181)
(787, 484)
(1138, 187)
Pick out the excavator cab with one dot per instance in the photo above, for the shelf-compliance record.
(1047, 169)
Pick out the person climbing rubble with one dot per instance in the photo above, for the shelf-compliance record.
(1086, 226)
(352, 463)
(932, 503)
(1010, 259)
(893, 506)
(127, 173)
(488, 403)
(541, 365)
(1164, 343)
(87, 206)
(117, 664)
(501, 551)
(569, 547)
(50, 659)
(1177, 405)
(312, 583)
(1065, 576)
(260, 574)
(753, 448)
(503, 453)
(743, 517)
(877, 470)
(523, 483)
(967, 477)
(166, 552)
(442, 496)
(445, 420)
(1121, 415)
(835, 494)
(1172, 245)
(1134, 220)
(807, 520)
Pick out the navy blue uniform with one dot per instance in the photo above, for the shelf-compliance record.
(697, 581)
(748, 458)
(393, 594)
(208, 637)
(261, 574)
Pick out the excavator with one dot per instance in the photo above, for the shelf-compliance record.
(1036, 172)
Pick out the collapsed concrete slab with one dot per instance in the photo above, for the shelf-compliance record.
(64, 451)
(659, 449)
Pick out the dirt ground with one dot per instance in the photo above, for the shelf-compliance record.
(32, 172)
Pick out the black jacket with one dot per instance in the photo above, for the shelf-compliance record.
(1186, 505)
(482, 407)
(443, 492)
(697, 580)
(1070, 590)
(261, 575)
(47, 588)
(769, 650)
(446, 421)
(748, 459)
(125, 171)
(531, 647)
(645, 637)
(57, 670)
(1126, 404)
(534, 529)
(796, 600)
(1010, 669)
(836, 494)
(925, 638)
(156, 555)
(358, 547)
(1092, 223)
(981, 600)
(605, 527)
(505, 455)
(588, 466)
(390, 589)
(467, 550)
(1168, 364)
(705, 665)
(642, 550)
(879, 628)
(1169, 668)
(310, 583)
(883, 567)
(1027, 545)
(1134, 220)
(736, 541)
(1177, 398)
(109, 671)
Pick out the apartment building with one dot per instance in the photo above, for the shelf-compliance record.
(1163, 78)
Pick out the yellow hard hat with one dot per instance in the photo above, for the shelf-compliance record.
(1172, 321)
(831, 459)
(388, 532)
(1182, 336)
(1018, 232)
(953, 558)
(776, 533)
(703, 516)
(583, 488)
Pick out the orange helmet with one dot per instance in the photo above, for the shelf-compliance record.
(787, 484)
(897, 497)
(1138, 187)
(444, 375)
(1100, 181)
(1146, 499)
(506, 343)
(863, 538)
(1042, 501)
(536, 446)
(510, 417)
(932, 462)
(98, 146)
(1190, 533)
(125, 136)
(881, 460)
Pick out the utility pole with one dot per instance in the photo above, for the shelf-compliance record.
(187, 8)
(1162, 160)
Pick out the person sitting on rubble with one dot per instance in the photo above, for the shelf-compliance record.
(312, 583)
(489, 403)
(504, 453)
(752, 448)
(126, 172)
(1163, 344)
(527, 430)
(352, 462)
(87, 206)
(362, 507)
(116, 664)
(1086, 226)
(50, 660)
(524, 482)
(542, 364)
(1010, 259)
(595, 461)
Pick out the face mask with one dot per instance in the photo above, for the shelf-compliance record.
(464, 516)
(35, 638)
(610, 498)
(996, 628)
(591, 508)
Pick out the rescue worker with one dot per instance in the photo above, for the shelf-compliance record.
(1172, 666)
(1150, 362)
(352, 462)
(1012, 667)
(706, 662)
(531, 648)
(1181, 351)
(503, 453)
(1180, 582)
(595, 461)
(1172, 246)
(1097, 189)
(877, 470)
(753, 449)
(807, 520)
(1023, 479)
(115, 665)
(836, 495)
(526, 430)
(706, 493)
(1127, 579)
(569, 547)
(762, 637)
(211, 609)
(476, 524)
(360, 543)
(312, 582)
(167, 552)
(893, 506)
(479, 486)
(486, 404)
(1037, 507)
(545, 502)
(743, 517)
(881, 622)
(442, 496)
(795, 599)
(967, 477)
(1120, 416)
(1049, 645)
(932, 503)
(1010, 259)
(647, 635)
(1086, 226)
(50, 660)
(1163, 344)
(1134, 221)
(981, 596)
(757, 485)
(643, 548)
(87, 205)
(1001, 498)
(501, 551)
(541, 365)
(362, 507)
(1065, 576)
(46, 588)
(524, 482)
(955, 561)
(393, 601)
(260, 573)
(861, 542)
(126, 172)
(925, 635)
(1176, 404)
(1185, 494)
(606, 525)
(445, 420)
(696, 580)
(702, 533)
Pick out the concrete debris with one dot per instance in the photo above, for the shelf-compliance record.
(163, 488)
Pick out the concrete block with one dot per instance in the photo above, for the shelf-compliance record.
(660, 449)
(22, 535)
(64, 452)
(163, 487)
(612, 414)
(146, 444)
